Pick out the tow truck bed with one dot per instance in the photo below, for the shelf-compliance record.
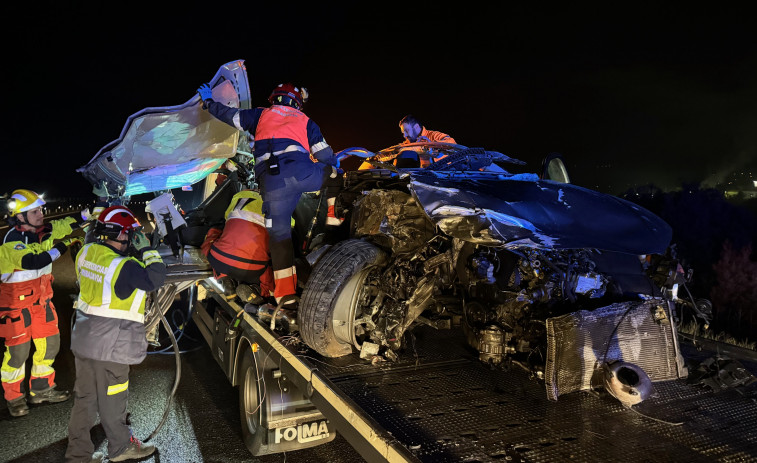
(444, 405)
(439, 403)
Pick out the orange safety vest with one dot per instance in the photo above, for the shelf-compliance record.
(283, 122)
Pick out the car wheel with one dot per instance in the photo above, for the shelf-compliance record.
(251, 405)
(328, 303)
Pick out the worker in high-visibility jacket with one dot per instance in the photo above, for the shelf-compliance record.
(109, 332)
(240, 250)
(414, 156)
(291, 158)
(27, 313)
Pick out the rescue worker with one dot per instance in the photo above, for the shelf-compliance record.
(109, 333)
(240, 250)
(27, 313)
(414, 132)
(291, 158)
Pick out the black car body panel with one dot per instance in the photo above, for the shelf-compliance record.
(521, 210)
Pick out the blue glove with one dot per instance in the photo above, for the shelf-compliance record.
(205, 92)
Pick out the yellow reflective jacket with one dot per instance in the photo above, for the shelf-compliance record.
(97, 269)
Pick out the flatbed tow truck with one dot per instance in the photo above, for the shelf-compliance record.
(439, 403)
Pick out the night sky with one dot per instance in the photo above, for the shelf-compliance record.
(652, 94)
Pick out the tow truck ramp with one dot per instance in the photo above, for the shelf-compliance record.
(438, 403)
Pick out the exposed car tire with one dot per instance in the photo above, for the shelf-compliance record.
(251, 403)
(338, 270)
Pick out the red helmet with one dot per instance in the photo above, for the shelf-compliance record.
(288, 94)
(115, 219)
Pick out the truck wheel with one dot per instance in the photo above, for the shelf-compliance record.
(328, 303)
(251, 407)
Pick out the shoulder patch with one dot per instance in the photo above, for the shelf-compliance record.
(19, 246)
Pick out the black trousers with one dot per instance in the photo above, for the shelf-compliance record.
(100, 387)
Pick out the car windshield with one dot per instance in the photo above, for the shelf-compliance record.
(161, 148)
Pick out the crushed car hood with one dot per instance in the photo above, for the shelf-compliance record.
(172, 146)
(522, 211)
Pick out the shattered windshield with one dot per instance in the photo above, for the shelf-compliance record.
(161, 148)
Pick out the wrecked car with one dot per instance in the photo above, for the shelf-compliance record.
(537, 272)
(575, 286)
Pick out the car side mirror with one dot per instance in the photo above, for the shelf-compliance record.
(553, 168)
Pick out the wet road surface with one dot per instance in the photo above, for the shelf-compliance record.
(202, 424)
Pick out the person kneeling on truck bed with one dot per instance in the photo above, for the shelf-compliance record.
(239, 251)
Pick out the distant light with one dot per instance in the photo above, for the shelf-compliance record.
(754, 182)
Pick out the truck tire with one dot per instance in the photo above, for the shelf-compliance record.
(342, 268)
(251, 403)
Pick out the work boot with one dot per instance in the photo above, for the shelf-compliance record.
(250, 294)
(51, 395)
(229, 291)
(291, 303)
(134, 451)
(18, 407)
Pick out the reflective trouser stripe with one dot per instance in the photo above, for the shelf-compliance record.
(41, 366)
(8, 373)
(331, 218)
(284, 273)
(285, 282)
(117, 388)
(12, 377)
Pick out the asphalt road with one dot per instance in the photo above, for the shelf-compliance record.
(202, 424)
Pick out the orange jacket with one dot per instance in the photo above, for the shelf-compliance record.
(241, 250)
(429, 135)
(432, 135)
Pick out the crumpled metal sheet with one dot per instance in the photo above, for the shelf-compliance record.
(393, 219)
(172, 146)
(721, 372)
(521, 210)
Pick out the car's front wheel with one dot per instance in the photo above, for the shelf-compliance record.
(328, 305)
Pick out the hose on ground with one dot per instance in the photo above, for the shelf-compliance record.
(176, 379)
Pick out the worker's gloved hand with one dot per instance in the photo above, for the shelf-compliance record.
(206, 93)
(140, 241)
(86, 215)
(99, 190)
(74, 244)
(72, 241)
(230, 165)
